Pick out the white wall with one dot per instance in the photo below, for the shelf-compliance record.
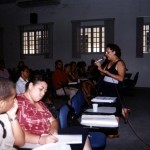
(124, 12)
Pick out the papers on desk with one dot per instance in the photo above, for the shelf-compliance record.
(70, 139)
(102, 109)
(63, 140)
(53, 146)
(108, 121)
(72, 83)
(83, 79)
(104, 99)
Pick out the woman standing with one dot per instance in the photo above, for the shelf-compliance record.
(114, 72)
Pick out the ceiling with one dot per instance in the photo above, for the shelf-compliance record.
(30, 3)
(7, 1)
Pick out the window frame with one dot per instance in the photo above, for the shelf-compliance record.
(140, 22)
(109, 24)
(146, 43)
(46, 33)
(101, 49)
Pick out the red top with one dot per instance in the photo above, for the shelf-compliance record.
(31, 119)
(59, 79)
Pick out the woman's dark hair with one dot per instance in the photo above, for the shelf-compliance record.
(115, 48)
(6, 87)
(66, 65)
(72, 63)
(35, 79)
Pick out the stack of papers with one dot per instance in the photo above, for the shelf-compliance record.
(104, 99)
(108, 121)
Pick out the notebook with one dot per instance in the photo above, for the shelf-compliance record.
(104, 99)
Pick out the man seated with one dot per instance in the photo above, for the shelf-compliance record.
(23, 79)
(59, 81)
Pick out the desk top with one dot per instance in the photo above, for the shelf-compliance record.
(51, 146)
(104, 99)
(63, 140)
(105, 110)
(72, 83)
(108, 121)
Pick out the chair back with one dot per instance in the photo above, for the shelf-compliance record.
(77, 102)
(97, 140)
(63, 116)
(135, 79)
(81, 98)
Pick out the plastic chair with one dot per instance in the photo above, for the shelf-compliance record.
(63, 116)
(77, 102)
(97, 139)
(129, 85)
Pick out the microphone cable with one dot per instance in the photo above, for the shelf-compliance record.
(128, 121)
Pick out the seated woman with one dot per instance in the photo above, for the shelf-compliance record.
(10, 131)
(88, 88)
(35, 119)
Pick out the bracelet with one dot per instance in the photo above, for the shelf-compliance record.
(13, 119)
(39, 140)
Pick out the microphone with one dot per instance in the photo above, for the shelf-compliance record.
(103, 58)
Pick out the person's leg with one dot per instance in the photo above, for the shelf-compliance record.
(125, 114)
(87, 145)
(70, 91)
(60, 92)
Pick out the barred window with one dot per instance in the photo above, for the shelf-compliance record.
(91, 36)
(92, 39)
(146, 38)
(36, 39)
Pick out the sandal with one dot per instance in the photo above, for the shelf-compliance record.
(125, 113)
(113, 136)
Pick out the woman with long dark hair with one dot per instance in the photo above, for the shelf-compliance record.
(113, 72)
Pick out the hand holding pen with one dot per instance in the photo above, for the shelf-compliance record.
(47, 138)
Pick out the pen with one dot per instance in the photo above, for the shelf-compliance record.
(53, 135)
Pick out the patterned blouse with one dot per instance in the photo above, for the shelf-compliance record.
(31, 119)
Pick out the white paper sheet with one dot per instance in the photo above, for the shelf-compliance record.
(99, 121)
(102, 109)
(104, 99)
(62, 139)
(72, 83)
(53, 146)
(69, 139)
